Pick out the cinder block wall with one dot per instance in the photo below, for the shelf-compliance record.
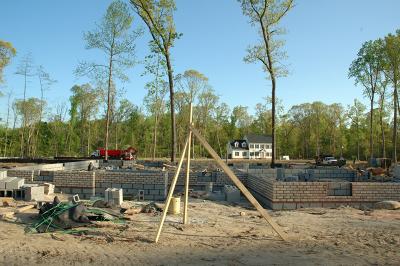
(318, 173)
(198, 181)
(292, 195)
(154, 183)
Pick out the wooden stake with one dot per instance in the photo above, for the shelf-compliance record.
(171, 190)
(239, 184)
(186, 202)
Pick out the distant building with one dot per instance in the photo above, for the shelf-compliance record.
(250, 147)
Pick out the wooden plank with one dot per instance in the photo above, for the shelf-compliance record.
(239, 184)
(7, 201)
(186, 201)
(171, 190)
(25, 208)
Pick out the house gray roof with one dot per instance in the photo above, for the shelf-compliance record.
(240, 141)
(253, 138)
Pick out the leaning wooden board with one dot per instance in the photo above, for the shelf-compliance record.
(10, 214)
(239, 184)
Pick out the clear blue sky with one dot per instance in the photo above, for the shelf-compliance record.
(323, 37)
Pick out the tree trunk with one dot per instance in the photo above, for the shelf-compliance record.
(382, 128)
(358, 141)
(88, 139)
(7, 120)
(23, 118)
(172, 105)
(371, 113)
(155, 137)
(273, 120)
(394, 140)
(108, 101)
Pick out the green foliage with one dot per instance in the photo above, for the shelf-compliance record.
(158, 16)
(7, 51)
(113, 36)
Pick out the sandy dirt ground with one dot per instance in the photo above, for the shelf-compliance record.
(217, 235)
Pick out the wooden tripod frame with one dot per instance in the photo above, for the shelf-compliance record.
(227, 170)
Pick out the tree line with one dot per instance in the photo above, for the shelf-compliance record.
(99, 115)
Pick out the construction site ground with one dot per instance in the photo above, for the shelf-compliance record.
(219, 234)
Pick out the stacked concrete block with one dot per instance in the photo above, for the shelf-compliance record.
(339, 189)
(232, 193)
(396, 171)
(114, 196)
(9, 184)
(292, 195)
(34, 192)
(48, 188)
(28, 175)
(15, 183)
(4, 181)
(3, 174)
(291, 178)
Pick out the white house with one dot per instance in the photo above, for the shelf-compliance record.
(251, 147)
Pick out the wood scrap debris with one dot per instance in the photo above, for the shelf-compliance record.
(8, 202)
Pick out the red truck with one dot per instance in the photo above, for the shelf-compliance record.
(128, 154)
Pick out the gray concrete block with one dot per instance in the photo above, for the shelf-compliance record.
(34, 193)
(4, 181)
(87, 191)
(149, 197)
(302, 205)
(16, 183)
(159, 186)
(277, 206)
(137, 186)
(315, 205)
(280, 173)
(232, 194)
(291, 179)
(289, 206)
(159, 197)
(126, 186)
(155, 192)
(76, 190)
(105, 185)
(132, 191)
(148, 186)
(3, 174)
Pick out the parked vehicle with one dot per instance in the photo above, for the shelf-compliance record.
(128, 154)
(329, 160)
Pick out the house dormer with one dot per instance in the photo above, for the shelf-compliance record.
(244, 145)
(236, 144)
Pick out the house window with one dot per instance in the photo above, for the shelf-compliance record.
(236, 144)
(269, 146)
(244, 154)
(257, 146)
(257, 154)
(237, 153)
(261, 146)
(251, 146)
(251, 153)
(244, 145)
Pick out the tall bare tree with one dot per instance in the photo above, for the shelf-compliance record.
(391, 66)
(113, 37)
(45, 81)
(158, 17)
(7, 51)
(266, 15)
(366, 70)
(156, 91)
(25, 69)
